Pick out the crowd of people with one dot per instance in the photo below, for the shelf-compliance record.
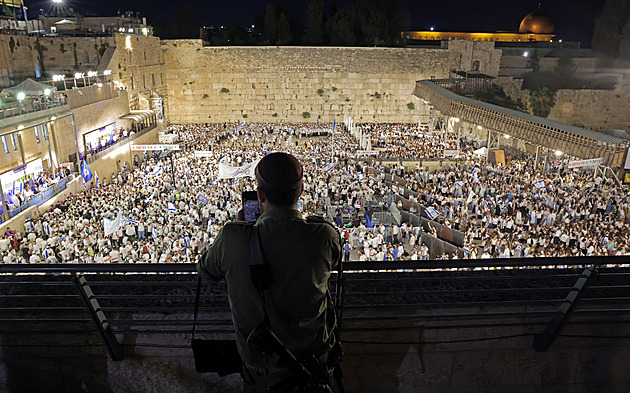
(169, 212)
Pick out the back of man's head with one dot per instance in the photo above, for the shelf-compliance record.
(279, 175)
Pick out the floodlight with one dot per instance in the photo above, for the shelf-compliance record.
(21, 95)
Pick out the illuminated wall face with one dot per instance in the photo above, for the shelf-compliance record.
(498, 37)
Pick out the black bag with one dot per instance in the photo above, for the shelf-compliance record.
(214, 356)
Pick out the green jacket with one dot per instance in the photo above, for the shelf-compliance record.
(301, 256)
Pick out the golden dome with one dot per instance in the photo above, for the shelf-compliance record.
(536, 22)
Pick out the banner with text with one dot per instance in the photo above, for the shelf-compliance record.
(154, 147)
(581, 163)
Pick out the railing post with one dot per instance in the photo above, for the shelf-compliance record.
(543, 341)
(115, 349)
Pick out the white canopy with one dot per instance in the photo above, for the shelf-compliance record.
(29, 87)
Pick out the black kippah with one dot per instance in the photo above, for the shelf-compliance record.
(279, 171)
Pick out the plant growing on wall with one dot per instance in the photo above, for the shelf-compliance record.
(74, 52)
(306, 115)
(244, 115)
(40, 54)
(347, 99)
(541, 101)
(334, 88)
(274, 115)
(204, 96)
(11, 44)
(224, 90)
(411, 106)
(320, 92)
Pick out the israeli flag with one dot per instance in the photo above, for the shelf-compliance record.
(540, 184)
(86, 173)
(475, 176)
(154, 235)
(19, 187)
(328, 167)
(361, 177)
(460, 183)
(432, 213)
(127, 220)
(156, 171)
(171, 207)
(96, 178)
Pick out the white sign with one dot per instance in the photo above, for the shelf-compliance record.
(581, 163)
(203, 154)
(154, 147)
(451, 153)
(367, 153)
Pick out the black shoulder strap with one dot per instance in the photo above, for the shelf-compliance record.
(196, 305)
(259, 269)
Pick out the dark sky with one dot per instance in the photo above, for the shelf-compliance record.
(573, 18)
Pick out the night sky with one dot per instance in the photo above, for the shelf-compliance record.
(573, 18)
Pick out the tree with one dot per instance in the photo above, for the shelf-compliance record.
(314, 32)
(565, 69)
(270, 30)
(284, 31)
(609, 27)
(185, 22)
(341, 28)
(541, 101)
(533, 61)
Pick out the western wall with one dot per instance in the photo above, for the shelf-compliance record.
(296, 84)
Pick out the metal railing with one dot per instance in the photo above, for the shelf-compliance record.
(95, 156)
(112, 300)
(39, 199)
(9, 110)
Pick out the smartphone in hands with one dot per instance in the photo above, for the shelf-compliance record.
(251, 209)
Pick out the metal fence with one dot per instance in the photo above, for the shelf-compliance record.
(56, 302)
(15, 109)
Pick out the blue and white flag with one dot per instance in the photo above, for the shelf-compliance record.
(328, 167)
(96, 178)
(229, 172)
(127, 220)
(19, 187)
(432, 213)
(154, 235)
(460, 183)
(475, 176)
(171, 207)
(361, 177)
(540, 184)
(156, 171)
(111, 226)
(86, 173)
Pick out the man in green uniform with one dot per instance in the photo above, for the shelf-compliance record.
(301, 255)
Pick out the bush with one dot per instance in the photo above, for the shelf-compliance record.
(306, 115)
(411, 106)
